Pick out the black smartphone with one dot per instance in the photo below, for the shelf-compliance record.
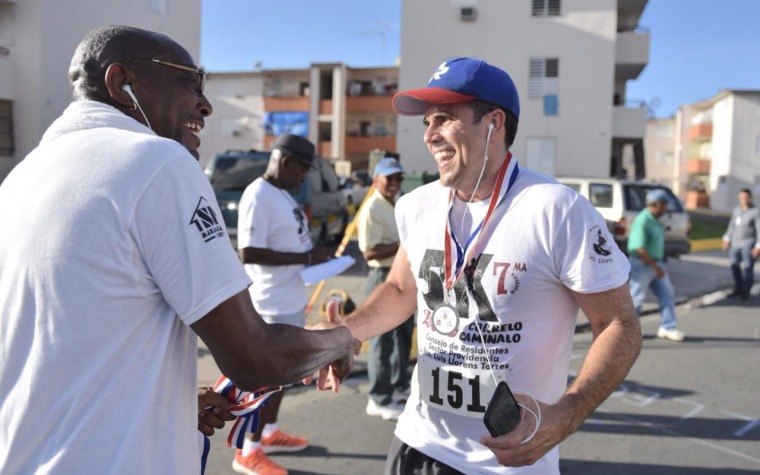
(502, 414)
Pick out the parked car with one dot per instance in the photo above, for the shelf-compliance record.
(619, 201)
(320, 196)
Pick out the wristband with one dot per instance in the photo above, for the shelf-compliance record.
(308, 258)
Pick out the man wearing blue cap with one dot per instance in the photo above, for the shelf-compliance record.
(497, 260)
(379, 242)
(646, 248)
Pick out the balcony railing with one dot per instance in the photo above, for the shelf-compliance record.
(369, 104)
(631, 53)
(698, 166)
(365, 144)
(283, 104)
(629, 122)
(701, 132)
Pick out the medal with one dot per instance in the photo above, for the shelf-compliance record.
(445, 320)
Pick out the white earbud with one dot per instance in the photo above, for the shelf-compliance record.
(128, 89)
(490, 127)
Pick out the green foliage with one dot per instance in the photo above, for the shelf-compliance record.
(705, 229)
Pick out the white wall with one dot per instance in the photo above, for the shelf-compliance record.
(42, 36)
(506, 35)
(238, 112)
(736, 145)
(720, 168)
(659, 150)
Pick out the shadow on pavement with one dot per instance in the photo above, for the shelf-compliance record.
(582, 467)
(664, 426)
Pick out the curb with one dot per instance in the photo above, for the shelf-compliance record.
(713, 244)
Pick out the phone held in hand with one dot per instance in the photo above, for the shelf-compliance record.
(502, 414)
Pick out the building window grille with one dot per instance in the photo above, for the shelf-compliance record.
(546, 7)
(6, 128)
(544, 77)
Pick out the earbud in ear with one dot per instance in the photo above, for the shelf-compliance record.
(490, 127)
(128, 89)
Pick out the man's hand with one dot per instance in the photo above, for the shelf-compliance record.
(510, 450)
(212, 411)
(321, 254)
(331, 376)
(659, 272)
(755, 252)
(725, 245)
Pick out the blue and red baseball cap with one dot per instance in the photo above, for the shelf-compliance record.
(461, 80)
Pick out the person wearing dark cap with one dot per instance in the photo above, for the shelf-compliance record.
(388, 356)
(274, 243)
(497, 260)
(646, 250)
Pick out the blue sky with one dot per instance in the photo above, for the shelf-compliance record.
(698, 47)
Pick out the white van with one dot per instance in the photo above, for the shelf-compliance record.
(619, 201)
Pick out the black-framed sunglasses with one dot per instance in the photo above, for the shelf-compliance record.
(200, 75)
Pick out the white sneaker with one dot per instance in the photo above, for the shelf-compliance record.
(401, 396)
(391, 411)
(670, 334)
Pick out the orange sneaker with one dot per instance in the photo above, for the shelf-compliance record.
(279, 441)
(257, 463)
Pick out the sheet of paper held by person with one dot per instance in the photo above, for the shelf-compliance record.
(313, 274)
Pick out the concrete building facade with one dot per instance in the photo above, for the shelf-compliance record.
(716, 144)
(37, 41)
(345, 111)
(570, 61)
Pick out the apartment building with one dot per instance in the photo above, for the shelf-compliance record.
(715, 144)
(37, 40)
(345, 111)
(570, 61)
(660, 151)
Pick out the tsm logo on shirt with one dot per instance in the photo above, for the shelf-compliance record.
(205, 220)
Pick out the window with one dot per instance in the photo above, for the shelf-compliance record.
(541, 154)
(600, 195)
(546, 7)
(6, 128)
(544, 77)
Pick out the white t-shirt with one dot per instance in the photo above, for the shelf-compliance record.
(543, 241)
(269, 218)
(114, 246)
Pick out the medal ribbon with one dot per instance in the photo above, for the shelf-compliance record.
(246, 405)
(497, 197)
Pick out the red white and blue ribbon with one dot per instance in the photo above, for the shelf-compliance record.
(245, 405)
(508, 169)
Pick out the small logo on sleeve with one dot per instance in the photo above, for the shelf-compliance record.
(599, 246)
(206, 221)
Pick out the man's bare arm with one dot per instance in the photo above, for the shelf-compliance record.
(389, 305)
(253, 353)
(616, 345)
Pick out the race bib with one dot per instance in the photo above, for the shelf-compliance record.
(458, 383)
